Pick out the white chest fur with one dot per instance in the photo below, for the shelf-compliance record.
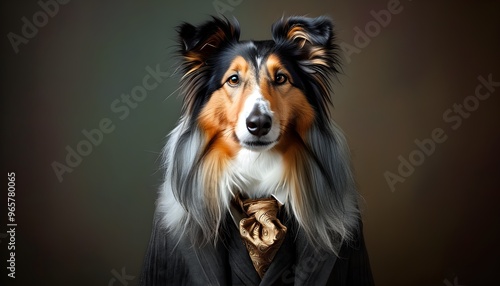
(260, 173)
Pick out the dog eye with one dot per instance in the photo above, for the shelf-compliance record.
(233, 80)
(280, 79)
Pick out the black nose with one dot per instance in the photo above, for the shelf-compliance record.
(258, 124)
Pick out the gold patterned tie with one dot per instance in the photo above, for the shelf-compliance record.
(261, 231)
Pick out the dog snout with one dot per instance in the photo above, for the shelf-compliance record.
(258, 123)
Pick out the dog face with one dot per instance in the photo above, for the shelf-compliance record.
(257, 94)
(257, 100)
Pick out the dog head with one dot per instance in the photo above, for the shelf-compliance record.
(257, 94)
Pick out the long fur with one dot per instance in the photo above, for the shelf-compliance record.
(316, 178)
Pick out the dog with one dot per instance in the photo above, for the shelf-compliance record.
(256, 123)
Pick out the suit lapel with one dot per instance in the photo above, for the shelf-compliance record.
(207, 264)
(243, 272)
(282, 262)
(312, 267)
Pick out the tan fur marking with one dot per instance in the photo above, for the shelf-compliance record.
(297, 33)
(240, 66)
(288, 103)
(317, 56)
(220, 114)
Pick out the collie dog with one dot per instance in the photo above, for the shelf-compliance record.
(256, 120)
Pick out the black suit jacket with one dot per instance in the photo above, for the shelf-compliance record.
(169, 262)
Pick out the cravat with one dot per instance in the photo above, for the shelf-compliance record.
(261, 230)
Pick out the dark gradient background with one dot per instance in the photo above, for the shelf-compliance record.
(439, 226)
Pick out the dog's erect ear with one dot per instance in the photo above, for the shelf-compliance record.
(313, 36)
(302, 30)
(200, 43)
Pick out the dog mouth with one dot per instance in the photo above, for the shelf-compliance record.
(258, 145)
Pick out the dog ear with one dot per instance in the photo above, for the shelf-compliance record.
(198, 44)
(313, 37)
